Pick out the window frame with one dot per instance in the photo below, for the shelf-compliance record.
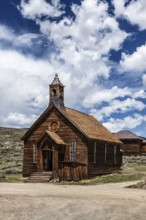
(115, 154)
(95, 150)
(35, 155)
(105, 154)
(72, 147)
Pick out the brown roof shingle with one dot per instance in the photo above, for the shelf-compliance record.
(55, 137)
(127, 135)
(90, 126)
(87, 124)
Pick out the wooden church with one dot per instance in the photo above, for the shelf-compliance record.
(67, 144)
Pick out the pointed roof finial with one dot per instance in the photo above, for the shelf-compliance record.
(56, 81)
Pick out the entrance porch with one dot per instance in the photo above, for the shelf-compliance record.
(50, 150)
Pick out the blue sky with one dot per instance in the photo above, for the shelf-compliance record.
(98, 48)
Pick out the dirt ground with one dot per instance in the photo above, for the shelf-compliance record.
(27, 201)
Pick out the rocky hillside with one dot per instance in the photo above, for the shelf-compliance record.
(11, 150)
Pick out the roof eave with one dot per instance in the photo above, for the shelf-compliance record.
(26, 135)
(106, 141)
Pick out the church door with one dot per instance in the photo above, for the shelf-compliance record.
(47, 160)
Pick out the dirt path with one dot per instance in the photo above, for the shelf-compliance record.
(25, 201)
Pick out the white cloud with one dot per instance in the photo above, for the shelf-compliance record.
(26, 39)
(23, 85)
(117, 106)
(141, 93)
(135, 11)
(92, 32)
(18, 119)
(17, 40)
(136, 61)
(119, 7)
(6, 33)
(38, 8)
(105, 95)
(80, 57)
(128, 122)
(82, 42)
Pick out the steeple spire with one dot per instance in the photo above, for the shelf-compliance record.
(56, 81)
(57, 92)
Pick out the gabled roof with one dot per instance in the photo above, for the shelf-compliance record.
(125, 134)
(54, 137)
(87, 124)
(91, 126)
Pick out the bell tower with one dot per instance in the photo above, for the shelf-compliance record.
(57, 92)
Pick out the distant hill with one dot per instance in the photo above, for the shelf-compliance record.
(11, 149)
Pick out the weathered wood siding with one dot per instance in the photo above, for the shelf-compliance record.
(28, 165)
(66, 131)
(131, 147)
(72, 171)
(144, 149)
(105, 161)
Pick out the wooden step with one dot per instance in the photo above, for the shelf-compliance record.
(40, 177)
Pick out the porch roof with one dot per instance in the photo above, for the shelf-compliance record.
(55, 137)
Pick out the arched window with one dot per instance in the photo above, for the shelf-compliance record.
(72, 150)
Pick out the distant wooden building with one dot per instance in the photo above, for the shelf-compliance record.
(69, 144)
(143, 146)
(132, 143)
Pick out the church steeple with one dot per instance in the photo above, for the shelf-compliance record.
(57, 92)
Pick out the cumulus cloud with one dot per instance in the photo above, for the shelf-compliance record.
(117, 106)
(18, 120)
(17, 40)
(80, 55)
(23, 86)
(133, 11)
(136, 61)
(37, 8)
(85, 39)
(128, 122)
(105, 95)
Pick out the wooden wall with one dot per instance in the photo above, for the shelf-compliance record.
(104, 163)
(143, 148)
(72, 171)
(28, 165)
(131, 147)
(66, 131)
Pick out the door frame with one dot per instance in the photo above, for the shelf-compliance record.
(50, 154)
(48, 143)
(54, 147)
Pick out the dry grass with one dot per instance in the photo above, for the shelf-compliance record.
(12, 178)
(130, 172)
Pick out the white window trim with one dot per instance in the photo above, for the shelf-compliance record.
(115, 152)
(105, 154)
(95, 146)
(72, 145)
(34, 153)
